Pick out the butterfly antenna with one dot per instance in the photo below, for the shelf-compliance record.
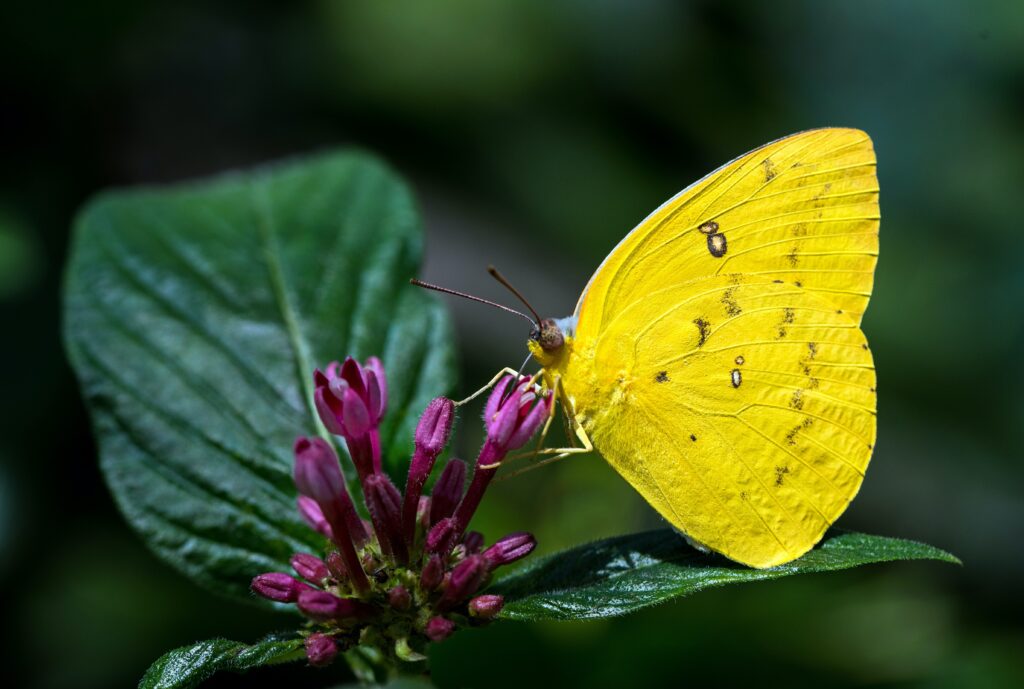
(445, 290)
(508, 285)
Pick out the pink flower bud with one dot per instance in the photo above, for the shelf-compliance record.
(486, 607)
(439, 629)
(473, 542)
(465, 579)
(441, 537)
(399, 598)
(384, 503)
(320, 649)
(336, 565)
(510, 548)
(317, 472)
(447, 491)
(314, 516)
(379, 398)
(323, 606)
(435, 426)
(277, 586)
(310, 568)
(432, 574)
(431, 436)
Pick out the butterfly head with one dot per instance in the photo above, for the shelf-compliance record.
(548, 335)
(551, 341)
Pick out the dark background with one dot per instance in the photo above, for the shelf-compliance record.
(536, 134)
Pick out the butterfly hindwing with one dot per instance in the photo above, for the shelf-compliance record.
(743, 410)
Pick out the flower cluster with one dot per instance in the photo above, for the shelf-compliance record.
(412, 573)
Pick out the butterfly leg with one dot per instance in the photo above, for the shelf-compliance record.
(501, 374)
(573, 431)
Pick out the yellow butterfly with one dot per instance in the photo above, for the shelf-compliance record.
(715, 358)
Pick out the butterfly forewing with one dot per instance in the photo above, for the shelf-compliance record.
(802, 209)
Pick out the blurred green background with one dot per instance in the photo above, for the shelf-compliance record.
(536, 134)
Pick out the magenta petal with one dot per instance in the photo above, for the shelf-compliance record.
(529, 425)
(328, 407)
(374, 364)
(355, 415)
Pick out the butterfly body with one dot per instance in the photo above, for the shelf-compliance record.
(715, 359)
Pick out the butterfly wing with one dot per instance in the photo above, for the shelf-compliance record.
(770, 259)
(742, 410)
(801, 209)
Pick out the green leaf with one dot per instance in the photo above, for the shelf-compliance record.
(189, 665)
(194, 316)
(624, 574)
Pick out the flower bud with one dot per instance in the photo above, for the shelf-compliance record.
(431, 436)
(435, 426)
(385, 505)
(310, 568)
(439, 629)
(465, 579)
(472, 542)
(441, 537)
(510, 548)
(323, 606)
(399, 598)
(486, 607)
(447, 491)
(432, 574)
(278, 586)
(336, 565)
(320, 649)
(317, 472)
(314, 516)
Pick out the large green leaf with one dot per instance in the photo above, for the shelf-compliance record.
(194, 316)
(188, 666)
(620, 575)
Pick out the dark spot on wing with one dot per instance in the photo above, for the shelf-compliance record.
(737, 378)
(865, 345)
(799, 230)
(704, 329)
(780, 475)
(777, 282)
(662, 377)
(803, 425)
(813, 383)
(740, 360)
(743, 495)
(794, 257)
(693, 437)
(717, 245)
(824, 190)
(872, 390)
(798, 283)
(798, 399)
(710, 227)
(788, 316)
(769, 170)
(812, 350)
(870, 446)
(729, 302)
